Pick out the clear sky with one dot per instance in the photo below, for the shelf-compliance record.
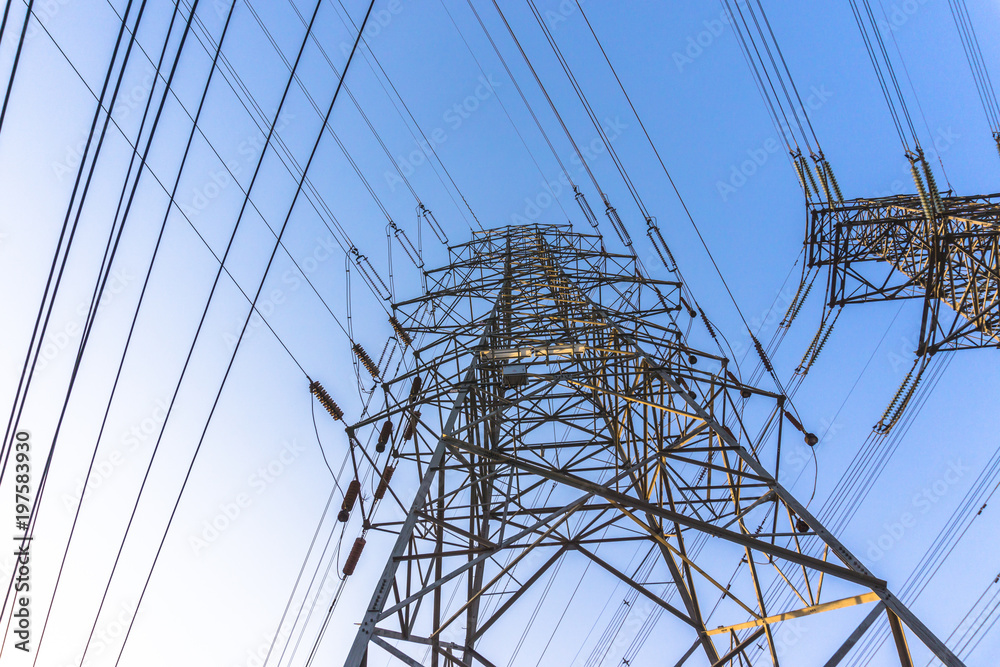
(217, 594)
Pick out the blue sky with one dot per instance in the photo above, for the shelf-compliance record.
(215, 596)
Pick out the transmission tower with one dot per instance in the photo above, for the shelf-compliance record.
(554, 412)
(942, 250)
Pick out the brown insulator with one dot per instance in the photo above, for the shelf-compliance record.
(415, 388)
(794, 421)
(383, 436)
(383, 484)
(354, 556)
(365, 360)
(801, 525)
(411, 426)
(401, 333)
(324, 399)
(353, 489)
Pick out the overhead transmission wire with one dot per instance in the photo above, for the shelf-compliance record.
(287, 159)
(414, 254)
(562, 123)
(532, 113)
(336, 488)
(313, 196)
(884, 71)
(690, 216)
(22, 398)
(913, 89)
(189, 221)
(190, 353)
(309, 97)
(978, 496)
(762, 51)
(503, 106)
(780, 107)
(54, 278)
(245, 295)
(17, 56)
(974, 56)
(585, 103)
(3, 21)
(108, 261)
(923, 175)
(260, 288)
(409, 113)
(210, 144)
(610, 211)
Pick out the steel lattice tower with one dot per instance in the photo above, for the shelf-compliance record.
(555, 412)
(891, 248)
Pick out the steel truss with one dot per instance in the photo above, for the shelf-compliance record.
(885, 249)
(554, 419)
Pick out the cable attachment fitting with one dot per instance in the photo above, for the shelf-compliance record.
(588, 212)
(425, 213)
(371, 276)
(324, 399)
(660, 245)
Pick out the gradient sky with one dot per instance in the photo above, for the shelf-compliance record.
(218, 600)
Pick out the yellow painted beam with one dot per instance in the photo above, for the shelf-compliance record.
(798, 613)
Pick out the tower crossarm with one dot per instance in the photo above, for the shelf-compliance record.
(888, 248)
